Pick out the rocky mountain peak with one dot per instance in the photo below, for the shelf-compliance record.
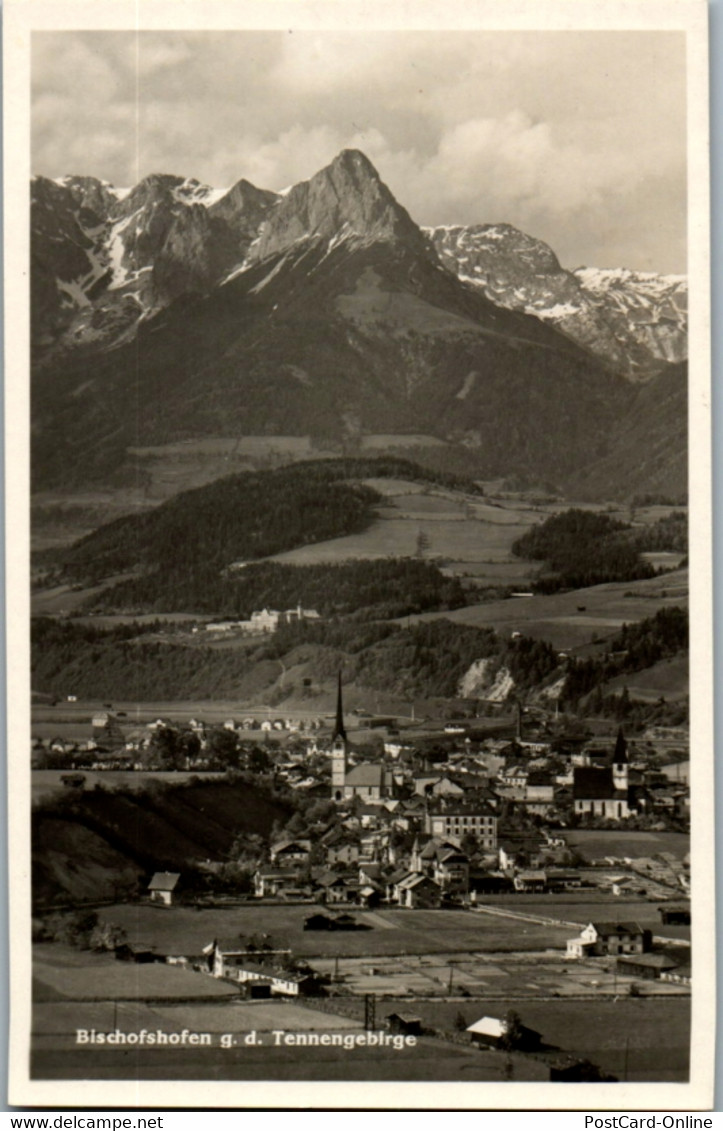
(347, 200)
(243, 195)
(631, 321)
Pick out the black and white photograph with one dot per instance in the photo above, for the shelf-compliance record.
(359, 602)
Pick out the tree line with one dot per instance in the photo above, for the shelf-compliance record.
(582, 548)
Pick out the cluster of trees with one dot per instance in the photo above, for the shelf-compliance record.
(249, 515)
(245, 516)
(668, 533)
(173, 748)
(581, 548)
(394, 467)
(386, 587)
(636, 647)
(426, 659)
(82, 929)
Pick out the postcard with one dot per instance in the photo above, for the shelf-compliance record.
(360, 677)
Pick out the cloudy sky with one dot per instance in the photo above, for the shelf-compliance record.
(576, 137)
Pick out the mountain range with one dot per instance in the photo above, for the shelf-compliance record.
(174, 311)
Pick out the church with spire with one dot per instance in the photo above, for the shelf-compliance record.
(604, 791)
(370, 781)
(339, 748)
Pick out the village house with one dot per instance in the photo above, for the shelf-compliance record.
(436, 784)
(163, 886)
(675, 914)
(269, 882)
(523, 849)
(493, 1033)
(369, 781)
(345, 852)
(335, 887)
(604, 938)
(416, 890)
(231, 959)
(286, 853)
(451, 872)
(515, 778)
(404, 1023)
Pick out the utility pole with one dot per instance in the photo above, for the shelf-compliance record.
(370, 1013)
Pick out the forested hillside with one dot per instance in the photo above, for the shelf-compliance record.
(636, 647)
(381, 588)
(581, 548)
(122, 835)
(425, 660)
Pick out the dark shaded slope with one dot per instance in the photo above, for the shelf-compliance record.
(647, 451)
(317, 342)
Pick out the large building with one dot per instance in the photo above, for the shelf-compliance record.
(457, 819)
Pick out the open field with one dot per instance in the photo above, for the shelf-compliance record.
(595, 844)
(522, 977)
(572, 620)
(183, 930)
(60, 600)
(45, 782)
(73, 721)
(429, 1060)
(234, 1016)
(60, 517)
(669, 679)
(101, 977)
(650, 1037)
(635, 1038)
(583, 908)
(476, 533)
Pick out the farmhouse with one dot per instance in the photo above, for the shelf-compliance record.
(278, 882)
(415, 890)
(494, 1032)
(163, 886)
(288, 852)
(404, 1023)
(675, 914)
(232, 960)
(451, 872)
(609, 938)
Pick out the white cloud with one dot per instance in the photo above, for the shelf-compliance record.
(548, 131)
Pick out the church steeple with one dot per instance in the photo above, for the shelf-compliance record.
(620, 762)
(339, 728)
(620, 755)
(338, 750)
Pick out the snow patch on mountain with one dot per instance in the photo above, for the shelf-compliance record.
(632, 320)
(73, 291)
